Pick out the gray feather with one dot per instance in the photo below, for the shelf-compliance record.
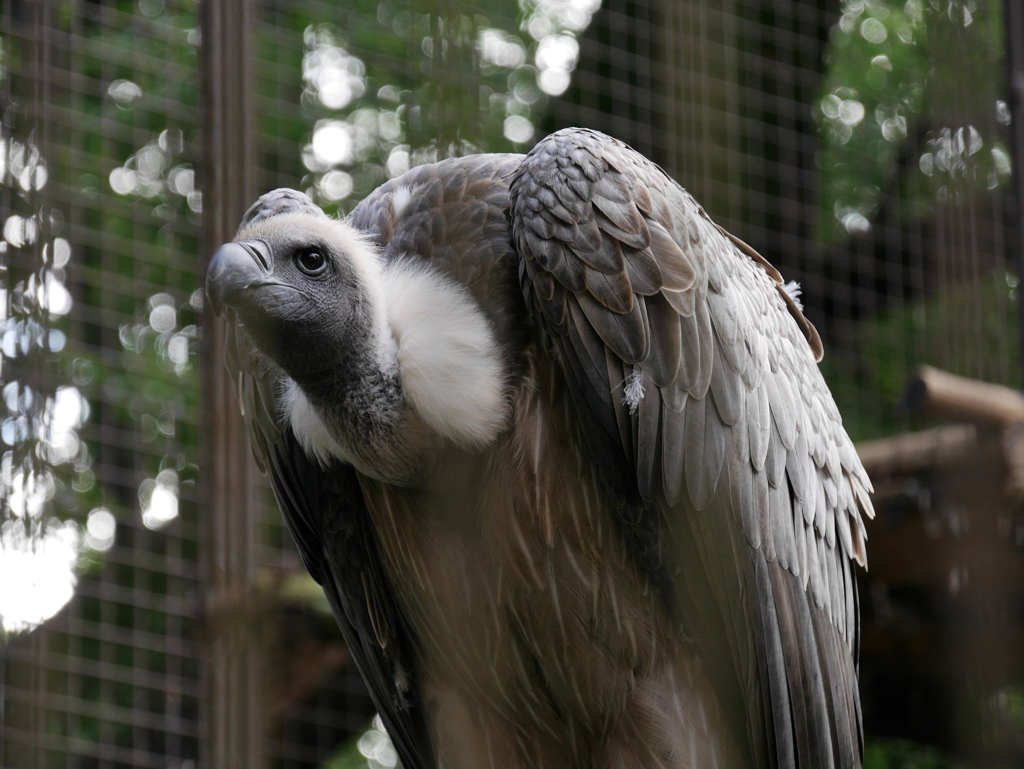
(726, 389)
(280, 201)
(733, 408)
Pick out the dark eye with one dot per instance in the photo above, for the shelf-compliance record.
(311, 261)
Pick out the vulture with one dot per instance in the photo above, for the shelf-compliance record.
(558, 450)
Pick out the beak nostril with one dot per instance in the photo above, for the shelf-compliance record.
(258, 250)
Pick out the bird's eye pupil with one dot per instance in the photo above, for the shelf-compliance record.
(311, 261)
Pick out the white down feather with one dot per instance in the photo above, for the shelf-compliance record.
(449, 363)
(309, 427)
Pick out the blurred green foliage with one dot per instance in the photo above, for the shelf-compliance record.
(886, 81)
(138, 188)
(910, 118)
(359, 93)
(903, 754)
(978, 322)
(888, 753)
(388, 85)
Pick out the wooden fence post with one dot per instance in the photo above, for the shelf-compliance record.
(234, 723)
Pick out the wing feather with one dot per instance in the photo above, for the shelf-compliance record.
(684, 302)
(733, 410)
(800, 543)
(775, 460)
(617, 375)
(598, 252)
(759, 424)
(745, 499)
(645, 277)
(626, 333)
(786, 413)
(693, 451)
(740, 434)
(648, 462)
(780, 504)
(675, 268)
(673, 423)
(324, 510)
(799, 467)
(726, 388)
(665, 356)
(705, 350)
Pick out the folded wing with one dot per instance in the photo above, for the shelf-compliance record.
(695, 376)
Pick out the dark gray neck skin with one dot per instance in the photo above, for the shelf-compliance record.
(361, 401)
(357, 395)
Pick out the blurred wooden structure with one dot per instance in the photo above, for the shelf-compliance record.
(942, 644)
(236, 723)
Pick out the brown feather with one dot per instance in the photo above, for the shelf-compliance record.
(604, 255)
(625, 334)
(682, 301)
(644, 273)
(665, 355)
(704, 451)
(673, 450)
(611, 290)
(676, 268)
(649, 446)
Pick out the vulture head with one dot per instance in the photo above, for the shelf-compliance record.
(304, 283)
(379, 363)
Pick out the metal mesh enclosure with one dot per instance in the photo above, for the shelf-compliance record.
(100, 121)
(862, 146)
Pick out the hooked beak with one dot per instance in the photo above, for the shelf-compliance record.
(235, 268)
